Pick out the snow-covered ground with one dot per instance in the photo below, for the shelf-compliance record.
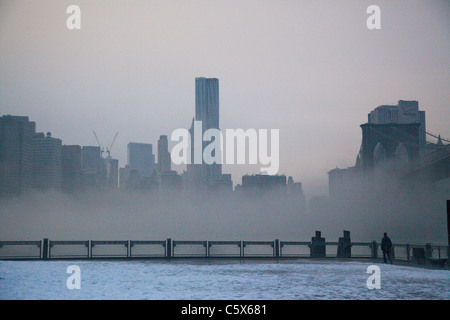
(193, 279)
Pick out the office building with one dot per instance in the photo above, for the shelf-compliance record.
(164, 160)
(16, 163)
(47, 162)
(71, 168)
(260, 184)
(113, 175)
(141, 158)
(91, 166)
(203, 176)
(207, 102)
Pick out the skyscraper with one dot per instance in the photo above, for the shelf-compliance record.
(164, 161)
(141, 158)
(207, 102)
(91, 165)
(71, 168)
(47, 162)
(16, 166)
(113, 179)
(201, 176)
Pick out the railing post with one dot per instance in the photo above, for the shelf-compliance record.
(169, 248)
(448, 255)
(374, 247)
(428, 251)
(448, 221)
(408, 255)
(45, 249)
(276, 244)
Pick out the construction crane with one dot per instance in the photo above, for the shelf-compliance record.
(108, 157)
(102, 150)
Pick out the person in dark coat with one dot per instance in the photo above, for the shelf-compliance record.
(386, 246)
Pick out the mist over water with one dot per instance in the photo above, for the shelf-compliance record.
(409, 212)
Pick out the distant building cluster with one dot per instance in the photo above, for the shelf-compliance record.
(31, 160)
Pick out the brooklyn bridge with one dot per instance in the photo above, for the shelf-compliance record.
(401, 152)
(398, 150)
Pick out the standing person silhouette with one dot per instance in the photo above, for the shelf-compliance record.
(386, 246)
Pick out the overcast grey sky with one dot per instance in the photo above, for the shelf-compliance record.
(309, 68)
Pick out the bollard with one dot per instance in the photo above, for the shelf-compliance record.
(318, 248)
(344, 246)
(418, 255)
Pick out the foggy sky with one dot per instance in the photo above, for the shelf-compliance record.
(309, 68)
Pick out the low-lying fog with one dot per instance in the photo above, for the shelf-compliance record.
(409, 213)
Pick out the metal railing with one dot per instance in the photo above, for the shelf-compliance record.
(135, 249)
(20, 249)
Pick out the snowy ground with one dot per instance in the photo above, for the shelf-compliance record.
(252, 280)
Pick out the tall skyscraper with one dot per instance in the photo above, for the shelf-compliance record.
(113, 179)
(207, 102)
(202, 176)
(47, 162)
(16, 166)
(91, 158)
(164, 161)
(71, 168)
(141, 158)
(91, 166)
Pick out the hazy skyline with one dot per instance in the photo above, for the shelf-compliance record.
(311, 69)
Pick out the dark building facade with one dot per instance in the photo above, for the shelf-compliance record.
(141, 158)
(113, 175)
(16, 157)
(260, 184)
(47, 162)
(91, 166)
(203, 176)
(164, 161)
(71, 168)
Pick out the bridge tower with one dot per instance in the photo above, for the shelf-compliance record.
(388, 143)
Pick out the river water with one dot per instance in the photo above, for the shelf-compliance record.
(218, 279)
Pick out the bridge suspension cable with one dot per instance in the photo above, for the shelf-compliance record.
(427, 144)
(437, 137)
(393, 139)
